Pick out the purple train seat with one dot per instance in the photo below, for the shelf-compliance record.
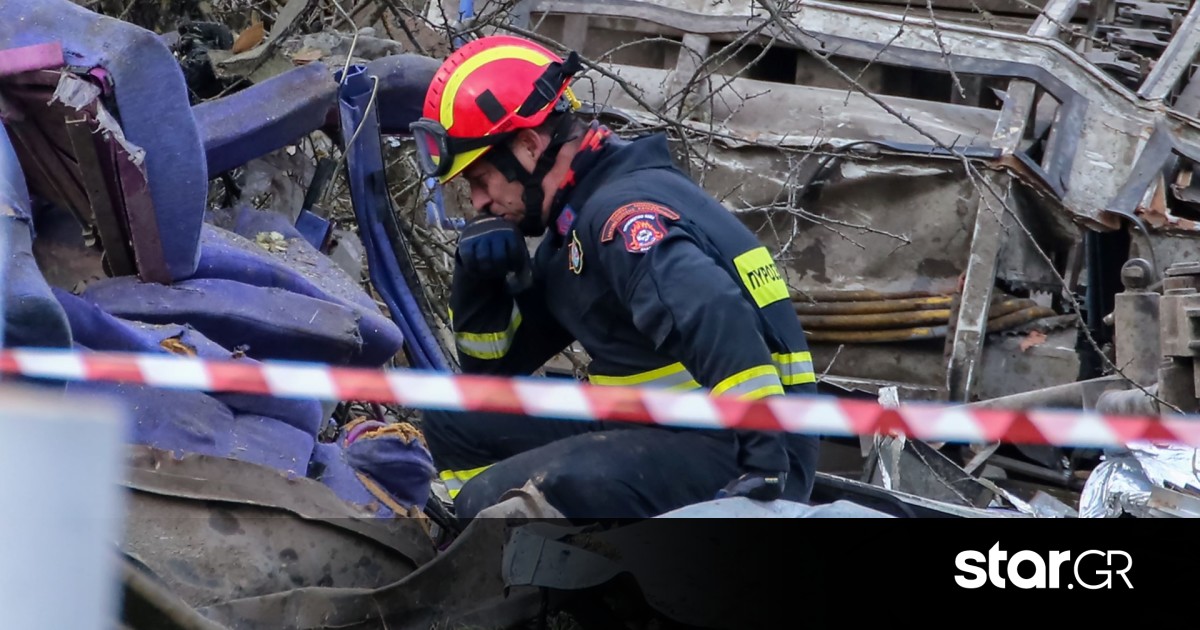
(95, 329)
(31, 315)
(266, 116)
(118, 105)
(403, 80)
(100, 124)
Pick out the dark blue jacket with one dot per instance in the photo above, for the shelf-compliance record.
(662, 286)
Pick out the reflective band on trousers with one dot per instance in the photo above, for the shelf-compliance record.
(795, 368)
(673, 376)
(756, 382)
(489, 346)
(455, 479)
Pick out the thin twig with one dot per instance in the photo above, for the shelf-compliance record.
(937, 35)
(829, 367)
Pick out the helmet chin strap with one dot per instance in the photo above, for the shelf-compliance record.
(533, 196)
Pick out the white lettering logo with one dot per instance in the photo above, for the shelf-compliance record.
(1029, 570)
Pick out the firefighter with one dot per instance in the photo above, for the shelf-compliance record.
(654, 278)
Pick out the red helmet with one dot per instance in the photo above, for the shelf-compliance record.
(482, 94)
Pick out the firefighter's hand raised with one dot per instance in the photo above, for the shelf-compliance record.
(491, 246)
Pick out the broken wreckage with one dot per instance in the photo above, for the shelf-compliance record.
(1033, 194)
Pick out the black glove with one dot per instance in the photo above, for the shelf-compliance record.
(491, 246)
(760, 486)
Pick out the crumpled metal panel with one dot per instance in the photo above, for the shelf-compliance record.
(463, 588)
(746, 110)
(819, 212)
(215, 530)
(1124, 481)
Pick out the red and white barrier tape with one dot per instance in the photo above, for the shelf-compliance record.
(565, 399)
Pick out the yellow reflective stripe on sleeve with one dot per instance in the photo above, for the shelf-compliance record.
(489, 346)
(752, 383)
(455, 479)
(795, 368)
(761, 276)
(469, 66)
(673, 376)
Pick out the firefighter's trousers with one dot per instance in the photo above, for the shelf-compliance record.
(586, 470)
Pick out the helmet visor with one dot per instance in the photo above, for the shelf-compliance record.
(437, 150)
(433, 147)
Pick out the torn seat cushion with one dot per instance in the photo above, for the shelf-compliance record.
(154, 110)
(293, 265)
(265, 116)
(328, 465)
(268, 323)
(95, 329)
(192, 422)
(403, 80)
(394, 456)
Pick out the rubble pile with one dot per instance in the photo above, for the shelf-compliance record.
(259, 206)
(233, 180)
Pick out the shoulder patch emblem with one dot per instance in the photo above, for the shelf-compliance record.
(624, 217)
(575, 254)
(642, 231)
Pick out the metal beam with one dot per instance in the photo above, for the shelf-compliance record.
(967, 345)
(971, 326)
(1175, 60)
(1098, 134)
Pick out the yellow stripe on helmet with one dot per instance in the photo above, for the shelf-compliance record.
(469, 66)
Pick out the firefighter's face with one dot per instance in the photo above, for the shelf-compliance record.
(492, 193)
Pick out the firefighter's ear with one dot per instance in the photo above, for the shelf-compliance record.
(530, 143)
(527, 146)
